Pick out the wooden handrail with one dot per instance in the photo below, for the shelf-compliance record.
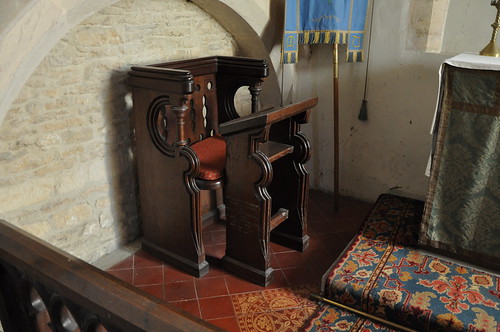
(91, 295)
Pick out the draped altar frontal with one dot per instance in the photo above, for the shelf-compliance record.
(462, 213)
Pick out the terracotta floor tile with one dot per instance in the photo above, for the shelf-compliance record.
(303, 294)
(215, 227)
(155, 290)
(320, 200)
(215, 271)
(190, 306)
(299, 276)
(289, 320)
(319, 256)
(280, 299)
(148, 276)
(208, 240)
(324, 214)
(310, 311)
(319, 270)
(315, 216)
(284, 309)
(273, 261)
(290, 259)
(144, 259)
(126, 275)
(211, 287)
(334, 243)
(172, 274)
(278, 281)
(216, 307)
(229, 324)
(217, 250)
(314, 242)
(346, 236)
(275, 248)
(251, 302)
(324, 227)
(237, 285)
(219, 237)
(179, 291)
(346, 224)
(235, 304)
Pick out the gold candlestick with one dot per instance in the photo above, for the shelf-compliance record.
(491, 49)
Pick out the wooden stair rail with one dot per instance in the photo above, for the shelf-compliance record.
(43, 288)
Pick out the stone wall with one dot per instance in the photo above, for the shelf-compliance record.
(66, 163)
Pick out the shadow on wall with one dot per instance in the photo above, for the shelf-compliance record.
(125, 190)
(390, 149)
(69, 178)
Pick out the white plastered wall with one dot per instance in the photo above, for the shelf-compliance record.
(391, 149)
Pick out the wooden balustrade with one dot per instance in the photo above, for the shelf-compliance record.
(43, 288)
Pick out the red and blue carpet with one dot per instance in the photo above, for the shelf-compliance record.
(383, 273)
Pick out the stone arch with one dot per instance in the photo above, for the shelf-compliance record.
(31, 28)
(37, 38)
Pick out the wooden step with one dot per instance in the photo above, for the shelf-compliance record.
(278, 218)
(275, 150)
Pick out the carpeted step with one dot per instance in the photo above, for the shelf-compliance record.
(384, 274)
(331, 318)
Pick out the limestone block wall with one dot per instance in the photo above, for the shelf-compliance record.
(66, 163)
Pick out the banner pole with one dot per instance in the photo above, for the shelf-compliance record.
(336, 125)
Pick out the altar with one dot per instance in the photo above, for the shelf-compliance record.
(462, 213)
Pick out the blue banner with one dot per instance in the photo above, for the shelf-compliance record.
(324, 22)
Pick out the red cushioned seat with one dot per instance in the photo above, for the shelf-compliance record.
(212, 154)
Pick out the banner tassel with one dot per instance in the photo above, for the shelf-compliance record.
(363, 112)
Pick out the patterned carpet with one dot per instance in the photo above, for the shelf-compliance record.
(331, 318)
(281, 309)
(382, 273)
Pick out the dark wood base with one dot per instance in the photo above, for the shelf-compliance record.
(290, 241)
(194, 268)
(259, 277)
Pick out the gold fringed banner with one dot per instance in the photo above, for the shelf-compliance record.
(324, 22)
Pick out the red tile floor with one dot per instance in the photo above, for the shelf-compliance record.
(237, 305)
